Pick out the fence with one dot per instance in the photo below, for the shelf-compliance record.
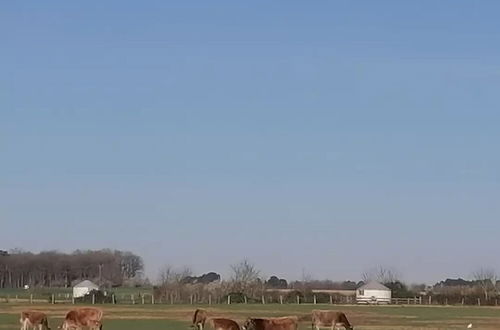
(407, 301)
(67, 298)
(149, 299)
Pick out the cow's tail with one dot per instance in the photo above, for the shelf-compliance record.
(195, 316)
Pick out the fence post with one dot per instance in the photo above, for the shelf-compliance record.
(93, 299)
(479, 301)
(229, 299)
(314, 299)
(171, 298)
(331, 300)
(31, 298)
(191, 299)
(430, 300)
(298, 300)
(246, 299)
(263, 300)
(73, 300)
(133, 299)
(152, 299)
(113, 299)
(53, 299)
(281, 300)
(142, 297)
(210, 299)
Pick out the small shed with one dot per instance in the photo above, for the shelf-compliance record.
(373, 293)
(84, 287)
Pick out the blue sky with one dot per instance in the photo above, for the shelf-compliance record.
(325, 137)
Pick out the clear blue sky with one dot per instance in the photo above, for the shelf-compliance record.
(329, 136)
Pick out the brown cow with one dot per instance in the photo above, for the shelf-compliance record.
(329, 319)
(199, 319)
(83, 317)
(223, 324)
(34, 320)
(276, 323)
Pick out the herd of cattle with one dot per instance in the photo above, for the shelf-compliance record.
(319, 319)
(75, 319)
(91, 318)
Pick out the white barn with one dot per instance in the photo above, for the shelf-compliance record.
(82, 288)
(373, 293)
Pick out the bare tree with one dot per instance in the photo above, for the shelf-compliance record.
(166, 275)
(170, 275)
(381, 274)
(244, 275)
(171, 282)
(306, 280)
(486, 279)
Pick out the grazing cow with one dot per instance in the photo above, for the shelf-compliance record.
(83, 317)
(223, 324)
(199, 319)
(34, 320)
(276, 323)
(329, 319)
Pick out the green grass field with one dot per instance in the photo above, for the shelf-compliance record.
(177, 317)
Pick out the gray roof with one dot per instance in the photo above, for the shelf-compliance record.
(373, 285)
(86, 284)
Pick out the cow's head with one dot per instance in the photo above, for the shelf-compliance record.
(249, 324)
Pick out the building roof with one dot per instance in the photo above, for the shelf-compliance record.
(373, 285)
(86, 284)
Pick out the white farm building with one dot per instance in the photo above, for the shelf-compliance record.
(373, 293)
(82, 288)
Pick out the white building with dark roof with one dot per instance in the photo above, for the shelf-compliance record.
(373, 293)
(84, 287)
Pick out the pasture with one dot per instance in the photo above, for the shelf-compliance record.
(177, 317)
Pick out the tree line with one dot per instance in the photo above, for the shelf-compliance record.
(113, 268)
(56, 269)
(246, 284)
